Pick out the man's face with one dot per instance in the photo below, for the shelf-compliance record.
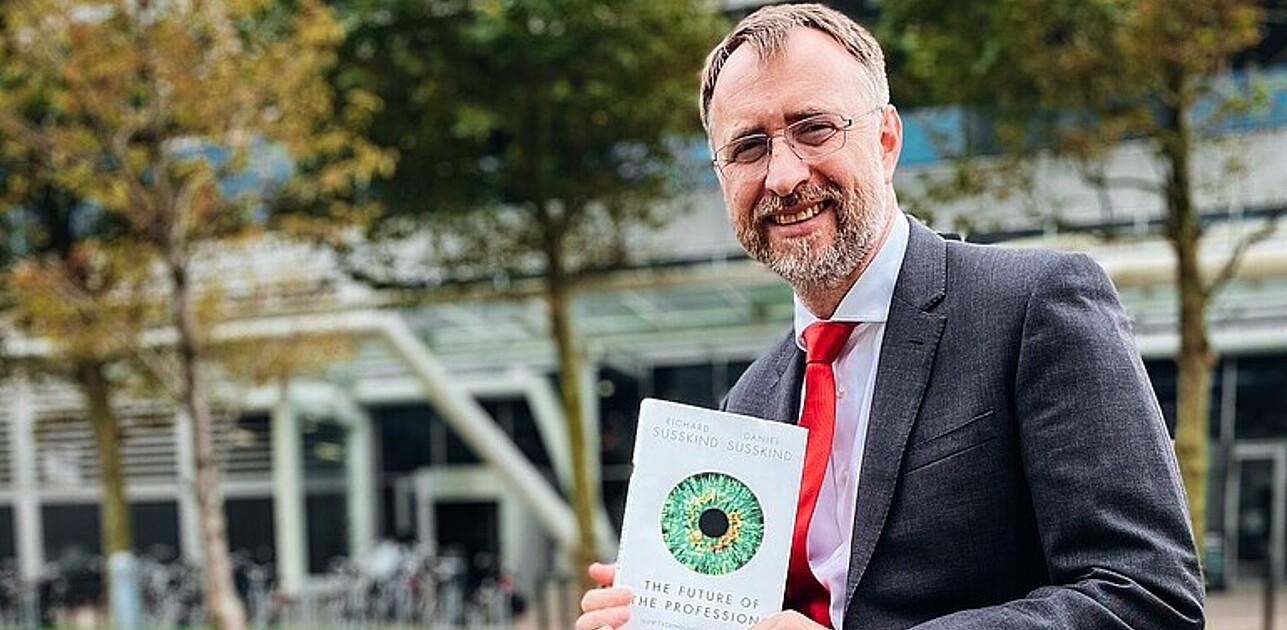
(810, 221)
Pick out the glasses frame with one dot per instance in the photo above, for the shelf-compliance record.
(761, 165)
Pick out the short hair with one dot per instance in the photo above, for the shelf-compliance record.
(766, 29)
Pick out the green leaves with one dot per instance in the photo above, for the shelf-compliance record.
(502, 106)
(1107, 62)
(1068, 78)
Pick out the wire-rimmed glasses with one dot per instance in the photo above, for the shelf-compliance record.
(809, 138)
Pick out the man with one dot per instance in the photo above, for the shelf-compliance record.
(997, 459)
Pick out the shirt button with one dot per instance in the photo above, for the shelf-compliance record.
(840, 391)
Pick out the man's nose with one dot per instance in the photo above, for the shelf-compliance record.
(786, 171)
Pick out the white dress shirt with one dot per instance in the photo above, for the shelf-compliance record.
(831, 530)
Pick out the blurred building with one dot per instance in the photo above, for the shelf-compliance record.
(440, 423)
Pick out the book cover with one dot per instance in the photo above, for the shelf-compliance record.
(709, 513)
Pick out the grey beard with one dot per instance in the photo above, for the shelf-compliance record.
(806, 268)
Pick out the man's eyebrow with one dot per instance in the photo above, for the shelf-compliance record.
(742, 132)
(802, 114)
(793, 117)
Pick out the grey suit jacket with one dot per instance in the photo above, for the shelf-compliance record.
(1017, 471)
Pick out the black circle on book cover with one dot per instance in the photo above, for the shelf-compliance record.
(712, 523)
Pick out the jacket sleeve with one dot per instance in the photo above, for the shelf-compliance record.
(1106, 491)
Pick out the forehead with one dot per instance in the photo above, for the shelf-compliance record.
(811, 73)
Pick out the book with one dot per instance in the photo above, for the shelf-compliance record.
(710, 510)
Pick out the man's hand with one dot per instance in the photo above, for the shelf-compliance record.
(607, 607)
(785, 620)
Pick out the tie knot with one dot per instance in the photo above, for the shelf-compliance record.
(823, 340)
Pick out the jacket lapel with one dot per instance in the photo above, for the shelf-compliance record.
(772, 393)
(788, 387)
(785, 392)
(912, 335)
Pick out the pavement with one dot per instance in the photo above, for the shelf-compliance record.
(1243, 607)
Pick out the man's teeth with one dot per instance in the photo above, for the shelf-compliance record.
(803, 215)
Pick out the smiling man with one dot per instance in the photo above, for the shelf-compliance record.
(985, 450)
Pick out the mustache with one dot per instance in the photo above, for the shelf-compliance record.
(770, 204)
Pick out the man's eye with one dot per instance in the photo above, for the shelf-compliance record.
(814, 132)
(747, 150)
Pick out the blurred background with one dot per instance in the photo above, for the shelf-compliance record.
(336, 314)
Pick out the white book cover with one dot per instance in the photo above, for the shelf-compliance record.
(710, 510)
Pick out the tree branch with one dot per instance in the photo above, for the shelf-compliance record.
(152, 360)
(1098, 178)
(1094, 175)
(114, 143)
(28, 136)
(1231, 265)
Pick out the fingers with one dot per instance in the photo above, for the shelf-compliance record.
(606, 618)
(604, 607)
(786, 620)
(601, 598)
(604, 574)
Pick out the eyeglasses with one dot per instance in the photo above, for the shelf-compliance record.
(811, 138)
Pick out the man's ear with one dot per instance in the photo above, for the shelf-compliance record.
(891, 140)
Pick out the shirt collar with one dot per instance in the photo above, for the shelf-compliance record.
(868, 299)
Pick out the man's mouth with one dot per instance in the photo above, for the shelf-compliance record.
(805, 214)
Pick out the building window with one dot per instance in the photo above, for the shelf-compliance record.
(1163, 374)
(1262, 397)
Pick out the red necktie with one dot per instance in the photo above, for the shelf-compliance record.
(823, 341)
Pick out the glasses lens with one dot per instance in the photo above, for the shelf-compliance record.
(816, 136)
(812, 137)
(743, 157)
(746, 150)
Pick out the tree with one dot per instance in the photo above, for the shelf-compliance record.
(1074, 79)
(65, 280)
(533, 136)
(154, 108)
(7, 257)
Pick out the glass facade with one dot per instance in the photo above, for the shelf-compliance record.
(71, 529)
(704, 385)
(619, 395)
(6, 533)
(415, 436)
(1262, 398)
(1162, 373)
(328, 530)
(1253, 537)
(250, 528)
(470, 531)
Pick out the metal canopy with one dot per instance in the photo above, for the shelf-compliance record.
(734, 309)
(656, 324)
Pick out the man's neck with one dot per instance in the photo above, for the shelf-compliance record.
(823, 301)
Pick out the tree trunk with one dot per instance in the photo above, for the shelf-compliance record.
(559, 297)
(223, 608)
(114, 512)
(1195, 360)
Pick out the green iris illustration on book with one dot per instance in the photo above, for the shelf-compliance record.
(712, 523)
